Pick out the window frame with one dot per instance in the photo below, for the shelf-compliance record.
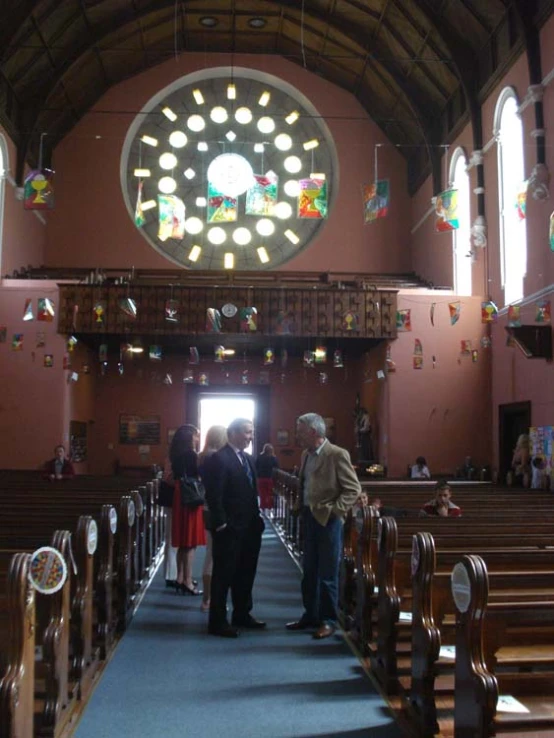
(458, 154)
(4, 169)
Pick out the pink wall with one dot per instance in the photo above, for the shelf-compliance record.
(23, 235)
(89, 200)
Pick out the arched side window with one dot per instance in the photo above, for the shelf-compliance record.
(461, 237)
(508, 130)
(3, 174)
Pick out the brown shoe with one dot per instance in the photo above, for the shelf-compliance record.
(324, 631)
(300, 625)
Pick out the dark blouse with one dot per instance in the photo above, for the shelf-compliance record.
(186, 464)
(265, 465)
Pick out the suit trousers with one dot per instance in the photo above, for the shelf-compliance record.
(321, 563)
(235, 560)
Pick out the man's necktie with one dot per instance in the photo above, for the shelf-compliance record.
(247, 468)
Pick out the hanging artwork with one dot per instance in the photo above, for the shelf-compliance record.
(248, 317)
(418, 362)
(48, 361)
(71, 343)
(171, 311)
(521, 201)
(323, 378)
(514, 316)
(489, 312)
(221, 208)
(120, 368)
(38, 190)
(98, 311)
(17, 342)
(140, 220)
(219, 354)
(28, 310)
(45, 309)
(308, 359)
(543, 312)
(171, 217)
(188, 376)
(213, 320)
(261, 198)
(320, 355)
(551, 236)
(432, 313)
(403, 320)
(128, 306)
(312, 200)
(350, 321)
(486, 342)
(194, 356)
(41, 339)
(446, 211)
(465, 347)
(418, 347)
(155, 353)
(376, 198)
(203, 379)
(474, 356)
(338, 362)
(269, 357)
(454, 309)
(244, 377)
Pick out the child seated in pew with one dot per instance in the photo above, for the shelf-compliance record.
(59, 467)
(441, 504)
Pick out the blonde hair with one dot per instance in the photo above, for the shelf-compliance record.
(216, 438)
(268, 450)
(523, 441)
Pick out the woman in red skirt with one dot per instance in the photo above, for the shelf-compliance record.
(187, 524)
(265, 464)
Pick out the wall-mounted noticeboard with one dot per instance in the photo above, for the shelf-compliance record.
(143, 430)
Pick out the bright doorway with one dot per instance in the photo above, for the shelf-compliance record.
(221, 409)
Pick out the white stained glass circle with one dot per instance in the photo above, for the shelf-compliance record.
(167, 185)
(283, 142)
(178, 139)
(242, 236)
(168, 161)
(196, 123)
(219, 114)
(266, 124)
(193, 225)
(243, 116)
(292, 188)
(293, 164)
(230, 174)
(283, 210)
(217, 236)
(265, 227)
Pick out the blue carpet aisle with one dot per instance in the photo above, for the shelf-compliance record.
(169, 678)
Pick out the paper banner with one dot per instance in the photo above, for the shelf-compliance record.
(103, 352)
(486, 342)
(350, 321)
(418, 362)
(98, 311)
(418, 347)
(45, 309)
(128, 306)
(213, 320)
(320, 355)
(194, 356)
(168, 379)
(403, 320)
(521, 201)
(244, 377)
(71, 343)
(48, 361)
(140, 220)
(203, 379)
(489, 312)
(261, 198)
(171, 217)
(454, 309)
(514, 316)
(17, 342)
(188, 376)
(41, 339)
(219, 354)
(38, 190)
(465, 347)
(338, 362)
(28, 310)
(323, 378)
(3, 333)
(543, 311)
(312, 200)
(551, 234)
(248, 317)
(308, 359)
(376, 198)
(221, 208)
(474, 355)
(446, 211)
(269, 357)
(172, 311)
(155, 353)
(432, 313)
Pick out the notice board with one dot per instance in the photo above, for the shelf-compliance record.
(143, 430)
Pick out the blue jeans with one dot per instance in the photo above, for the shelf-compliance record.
(321, 562)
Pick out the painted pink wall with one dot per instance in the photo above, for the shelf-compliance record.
(89, 200)
(34, 403)
(23, 236)
(440, 412)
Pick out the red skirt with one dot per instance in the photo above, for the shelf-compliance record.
(187, 523)
(265, 490)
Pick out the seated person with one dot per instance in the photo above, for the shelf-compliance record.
(59, 467)
(538, 473)
(420, 469)
(441, 504)
(467, 470)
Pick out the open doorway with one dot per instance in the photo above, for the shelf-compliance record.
(513, 420)
(221, 410)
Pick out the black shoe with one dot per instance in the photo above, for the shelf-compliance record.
(300, 625)
(224, 631)
(184, 589)
(249, 622)
(170, 583)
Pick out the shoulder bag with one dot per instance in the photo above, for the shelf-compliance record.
(192, 492)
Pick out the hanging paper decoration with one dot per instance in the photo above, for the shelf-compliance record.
(45, 309)
(320, 355)
(338, 362)
(543, 311)
(168, 379)
(284, 358)
(172, 311)
(188, 376)
(48, 361)
(38, 190)
(86, 368)
(248, 319)
(203, 379)
(98, 310)
(171, 217)
(323, 378)
(510, 343)
(486, 342)
(3, 333)
(263, 377)
(120, 368)
(17, 342)
(194, 356)
(103, 352)
(465, 347)
(261, 198)
(219, 354)
(432, 314)
(140, 220)
(418, 362)
(521, 201)
(380, 374)
(244, 377)
(28, 310)
(376, 198)
(269, 357)
(285, 323)
(350, 321)
(213, 320)
(309, 359)
(403, 320)
(454, 309)
(221, 208)
(489, 312)
(155, 353)
(514, 316)
(71, 343)
(474, 355)
(551, 232)
(446, 211)
(128, 306)
(312, 200)
(41, 339)
(418, 347)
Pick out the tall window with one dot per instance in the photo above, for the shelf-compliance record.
(511, 174)
(461, 237)
(3, 175)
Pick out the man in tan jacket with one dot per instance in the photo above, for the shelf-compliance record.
(328, 488)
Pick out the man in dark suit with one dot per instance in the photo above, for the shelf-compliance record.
(237, 526)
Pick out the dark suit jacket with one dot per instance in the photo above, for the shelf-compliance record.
(230, 496)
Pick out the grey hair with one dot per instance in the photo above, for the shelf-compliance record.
(315, 422)
(236, 425)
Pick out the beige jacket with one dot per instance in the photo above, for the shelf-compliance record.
(334, 487)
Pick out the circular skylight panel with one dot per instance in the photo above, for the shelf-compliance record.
(194, 225)
(266, 124)
(242, 236)
(283, 210)
(219, 114)
(231, 174)
(265, 227)
(293, 164)
(283, 142)
(292, 187)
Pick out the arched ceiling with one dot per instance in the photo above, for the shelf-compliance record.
(419, 67)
